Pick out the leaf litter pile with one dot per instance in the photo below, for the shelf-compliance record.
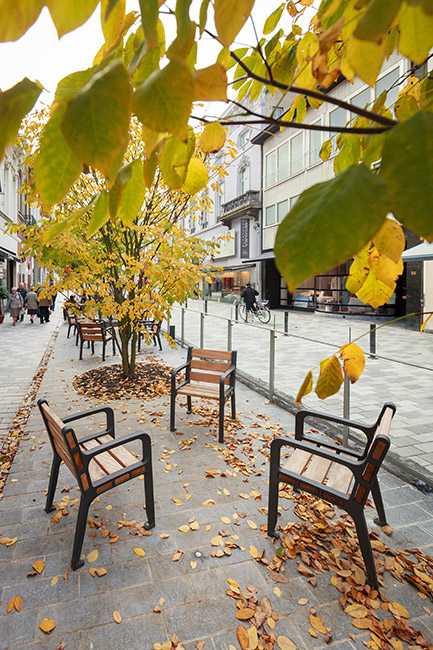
(151, 380)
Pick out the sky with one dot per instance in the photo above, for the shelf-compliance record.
(41, 56)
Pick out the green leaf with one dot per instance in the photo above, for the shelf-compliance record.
(163, 102)
(100, 214)
(17, 16)
(67, 15)
(416, 32)
(149, 19)
(197, 177)
(213, 138)
(112, 19)
(336, 218)
(149, 168)
(56, 167)
(377, 19)
(96, 120)
(273, 19)
(132, 196)
(230, 17)
(116, 191)
(203, 15)
(56, 228)
(210, 84)
(407, 168)
(366, 58)
(15, 103)
(174, 159)
(184, 41)
(349, 154)
(69, 86)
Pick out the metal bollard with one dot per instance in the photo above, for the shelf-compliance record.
(286, 323)
(172, 331)
(202, 330)
(205, 306)
(229, 335)
(372, 340)
(237, 312)
(182, 327)
(186, 303)
(346, 408)
(272, 337)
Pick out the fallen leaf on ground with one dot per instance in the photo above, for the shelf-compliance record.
(15, 604)
(93, 555)
(47, 625)
(117, 617)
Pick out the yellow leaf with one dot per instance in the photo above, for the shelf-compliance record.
(385, 269)
(416, 29)
(245, 613)
(306, 387)
(317, 624)
(230, 16)
(285, 644)
(140, 552)
(117, 618)
(330, 378)
(358, 271)
(374, 292)
(354, 361)
(213, 138)
(356, 610)
(70, 14)
(216, 541)
(196, 177)
(184, 528)
(17, 17)
(164, 535)
(38, 566)
(366, 58)
(390, 240)
(54, 580)
(194, 525)
(210, 84)
(253, 637)
(93, 555)
(252, 524)
(8, 541)
(226, 520)
(277, 592)
(47, 625)
(398, 610)
(15, 604)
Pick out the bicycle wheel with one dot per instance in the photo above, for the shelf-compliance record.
(264, 315)
(242, 311)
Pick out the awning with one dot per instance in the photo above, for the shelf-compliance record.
(9, 255)
(418, 253)
(269, 255)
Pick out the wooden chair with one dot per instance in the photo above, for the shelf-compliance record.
(98, 461)
(72, 322)
(209, 374)
(154, 327)
(91, 331)
(335, 473)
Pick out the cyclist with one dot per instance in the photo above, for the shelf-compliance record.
(250, 298)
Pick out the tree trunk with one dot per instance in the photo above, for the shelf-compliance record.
(128, 350)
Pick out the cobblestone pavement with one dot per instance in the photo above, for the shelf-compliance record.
(21, 350)
(195, 604)
(411, 389)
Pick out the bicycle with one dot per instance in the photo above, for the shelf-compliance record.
(261, 312)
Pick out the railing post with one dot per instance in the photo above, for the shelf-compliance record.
(346, 401)
(272, 337)
(182, 327)
(286, 322)
(202, 330)
(229, 335)
(237, 312)
(372, 340)
(205, 306)
(186, 303)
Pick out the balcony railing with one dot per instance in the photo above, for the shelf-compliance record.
(248, 201)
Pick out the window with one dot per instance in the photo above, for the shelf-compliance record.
(385, 83)
(244, 138)
(293, 200)
(271, 168)
(282, 210)
(316, 139)
(296, 154)
(271, 217)
(337, 117)
(277, 111)
(283, 162)
(244, 179)
(361, 99)
(217, 203)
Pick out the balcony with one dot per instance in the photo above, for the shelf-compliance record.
(247, 204)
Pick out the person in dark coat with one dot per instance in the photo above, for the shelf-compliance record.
(249, 295)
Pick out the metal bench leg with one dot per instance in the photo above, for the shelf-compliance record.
(80, 530)
(54, 475)
(221, 422)
(69, 330)
(273, 505)
(378, 502)
(93, 347)
(173, 411)
(103, 350)
(148, 493)
(188, 404)
(81, 349)
(158, 338)
(233, 405)
(366, 550)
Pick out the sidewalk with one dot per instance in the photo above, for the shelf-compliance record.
(158, 595)
(410, 388)
(21, 350)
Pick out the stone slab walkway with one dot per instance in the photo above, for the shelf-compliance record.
(195, 606)
(410, 388)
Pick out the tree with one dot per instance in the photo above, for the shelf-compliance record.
(137, 72)
(124, 248)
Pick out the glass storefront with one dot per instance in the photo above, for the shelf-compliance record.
(228, 284)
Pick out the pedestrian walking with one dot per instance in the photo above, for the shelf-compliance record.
(32, 304)
(23, 291)
(15, 305)
(44, 309)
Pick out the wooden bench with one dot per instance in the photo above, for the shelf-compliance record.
(90, 331)
(209, 374)
(98, 461)
(334, 473)
(154, 327)
(72, 322)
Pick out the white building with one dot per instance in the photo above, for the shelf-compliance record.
(15, 209)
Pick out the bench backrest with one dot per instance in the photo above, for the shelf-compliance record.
(375, 455)
(208, 365)
(64, 443)
(91, 331)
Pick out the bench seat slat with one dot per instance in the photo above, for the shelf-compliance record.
(109, 461)
(339, 478)
(200, 390)
(317, 469)
(297, 461)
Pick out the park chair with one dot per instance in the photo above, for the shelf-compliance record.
(335, 473)
(91, 331)
(154, 327)
(72, 322)
(209, 374)
(98, 461)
